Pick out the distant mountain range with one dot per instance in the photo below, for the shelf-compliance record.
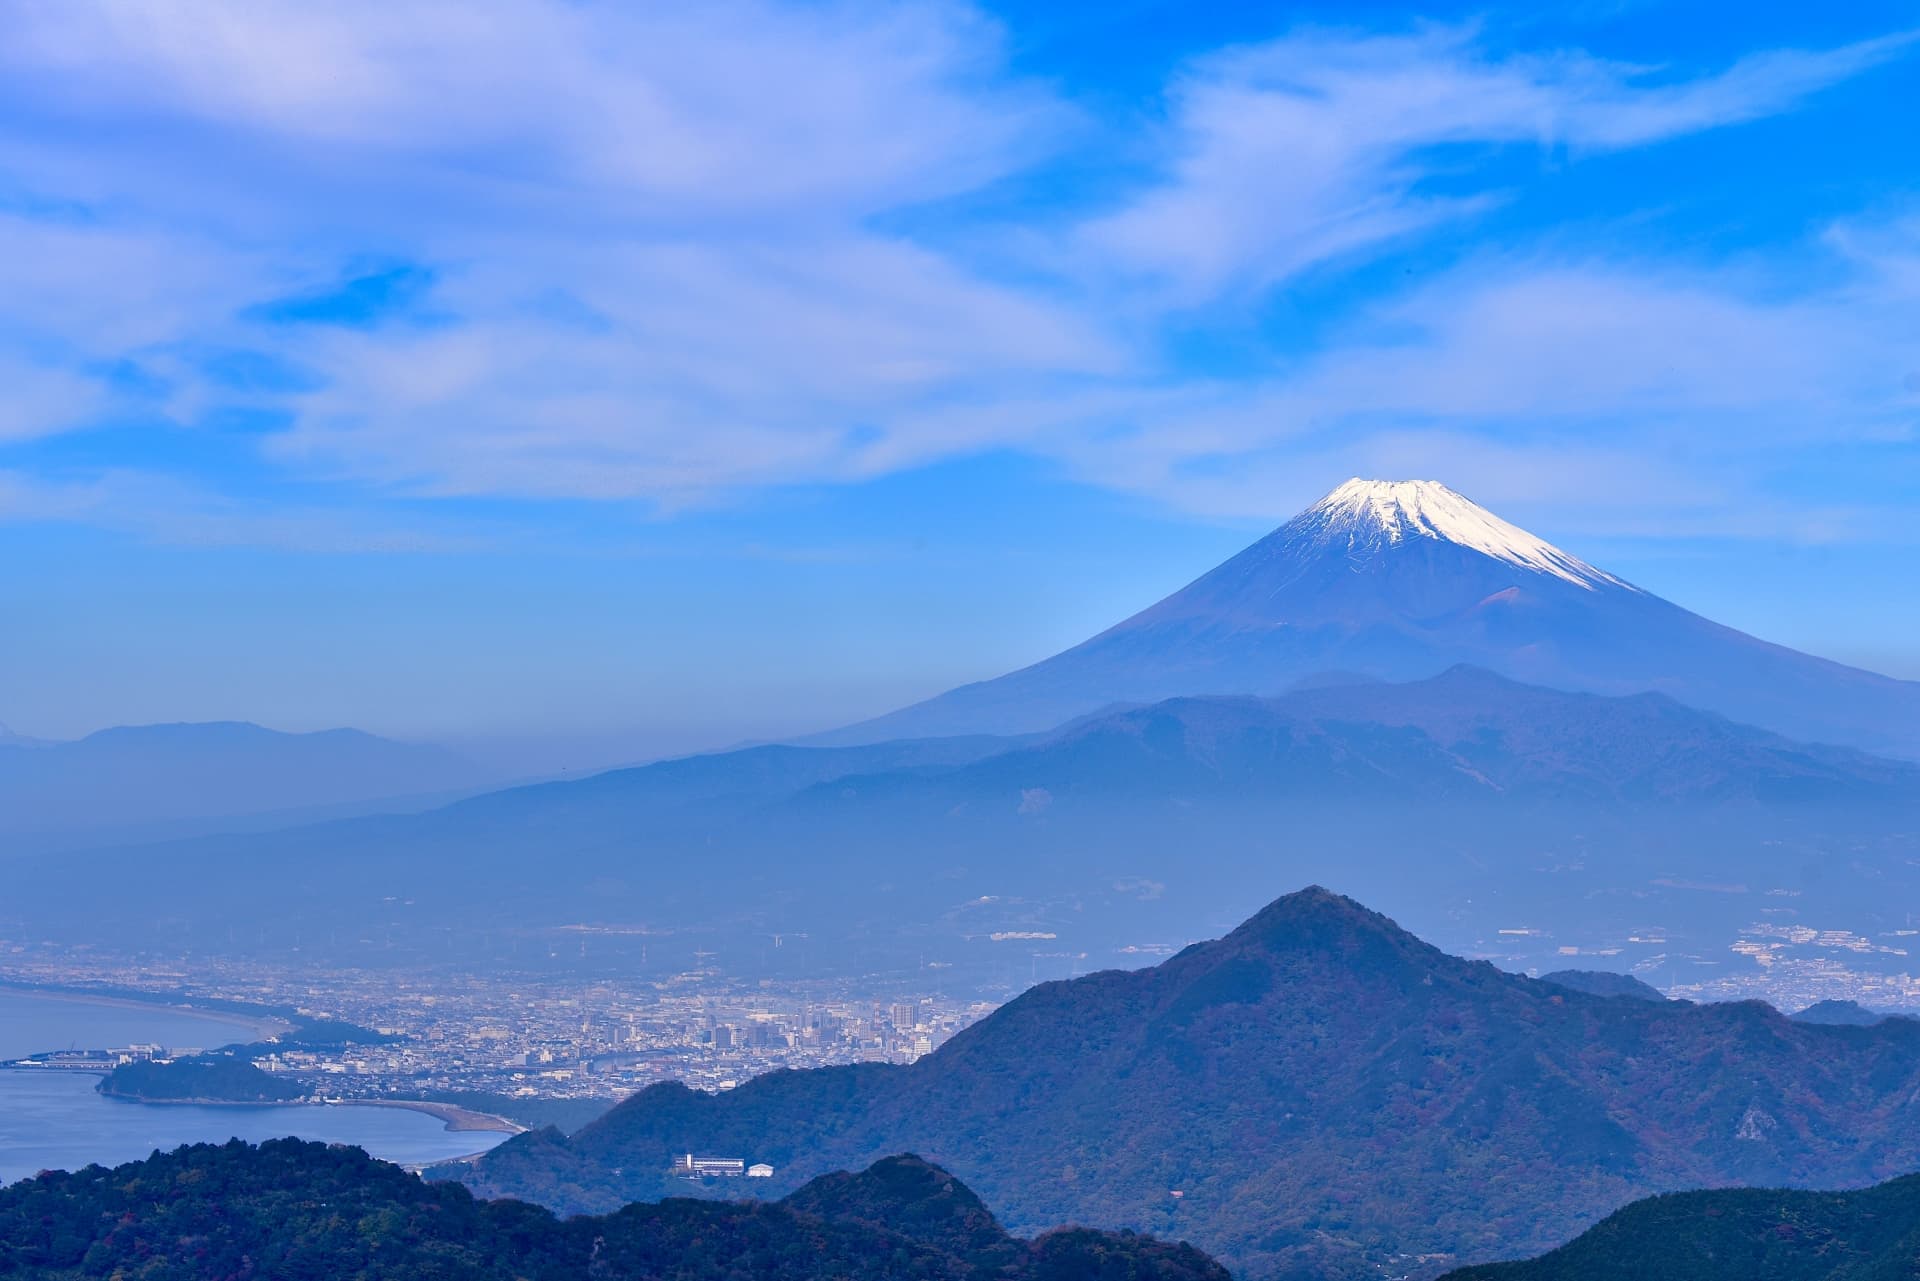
(289, 1209)
(1401, 580)
(1471, 802)
(1317, 1094)
(1464, 733)
(1753, 1234)
(147, 781)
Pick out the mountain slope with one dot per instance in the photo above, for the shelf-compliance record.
(294, 1209)
(1751, 1233)
(131, 777)
(1329, 1095)
(1402, 579)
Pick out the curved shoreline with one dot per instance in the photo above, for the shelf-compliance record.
(456, 1119)
(459, 1120)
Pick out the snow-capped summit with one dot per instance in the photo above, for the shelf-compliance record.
(1367, 513)
(1402, 579)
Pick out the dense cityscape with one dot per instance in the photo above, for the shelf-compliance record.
(528, 1036)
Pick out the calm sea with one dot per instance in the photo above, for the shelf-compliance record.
(32, 1024)
(55, 1120)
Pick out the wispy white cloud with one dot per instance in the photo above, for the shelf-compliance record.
(1288, 154)
(729, 105)
(1597, 386)
(1616, 107)
(39, 399)
(654, 272)
(684, 370)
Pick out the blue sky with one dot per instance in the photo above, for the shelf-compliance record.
(631, 378)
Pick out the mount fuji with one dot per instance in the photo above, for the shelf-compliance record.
(1399, 580)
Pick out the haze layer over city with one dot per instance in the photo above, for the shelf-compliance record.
(935, 622)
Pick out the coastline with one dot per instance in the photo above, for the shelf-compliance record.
(456, 1119)
(261, 1026)
(48, 1120)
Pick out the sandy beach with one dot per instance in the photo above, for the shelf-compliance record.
(458, 1119)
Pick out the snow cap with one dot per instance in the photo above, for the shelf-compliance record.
(1367, 512)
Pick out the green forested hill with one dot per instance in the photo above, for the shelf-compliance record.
(1329, 1096)
(1748, 1234)
(223, 1078)
(294, 1211)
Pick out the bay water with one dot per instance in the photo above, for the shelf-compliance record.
(55, 1119)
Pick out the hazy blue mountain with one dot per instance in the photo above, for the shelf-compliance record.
(720, 781)
(1330, 1097)
(1753, 1234)
(131, 778)
(1463, 733)
(1404, 579)
(1466, 802)
(1604, 983)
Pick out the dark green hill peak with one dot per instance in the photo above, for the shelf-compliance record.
(909, 1195)
(1310, 911)
(1753, 1234)
(1316, 921)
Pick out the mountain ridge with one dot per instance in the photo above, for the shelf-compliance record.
(1331, 1095)
(1480, 732)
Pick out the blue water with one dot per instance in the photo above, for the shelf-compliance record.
(55, 1120)
(32, 1024)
